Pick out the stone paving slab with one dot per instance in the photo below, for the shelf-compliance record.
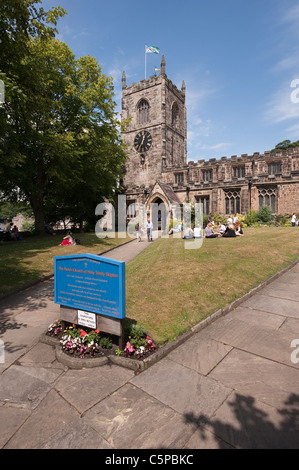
(246, 423)
(257, 317)
(203, 439)
(11, 419)
(283, 285)
(291, 327)
(168, 382)
(76, 435)
(258, 377)
(40, 354)
(271, 344)
(290, 308)
(281, 292)
(133, 419)
(202, 355)
(19, 386)
(84, 388)
(53, 414)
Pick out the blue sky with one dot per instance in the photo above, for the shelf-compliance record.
(238, 60)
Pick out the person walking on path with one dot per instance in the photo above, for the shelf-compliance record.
(149, 228)
(138, 231)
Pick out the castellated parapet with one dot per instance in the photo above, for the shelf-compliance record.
(236, 184)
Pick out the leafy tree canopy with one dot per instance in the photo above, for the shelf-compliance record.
(285, 144)
(59, 136)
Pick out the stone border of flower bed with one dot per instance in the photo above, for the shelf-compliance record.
(80, 363)
(140, 365)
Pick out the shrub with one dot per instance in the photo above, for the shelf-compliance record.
(264, 214)
(251, 217)
(205, 220)
(219, 218)
(27, 226)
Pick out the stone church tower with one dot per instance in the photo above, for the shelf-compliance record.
(156, 136)
(157, 171)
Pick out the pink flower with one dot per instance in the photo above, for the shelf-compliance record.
(129, 347)
(150, 345)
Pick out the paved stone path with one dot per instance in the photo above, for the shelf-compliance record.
(234, 384)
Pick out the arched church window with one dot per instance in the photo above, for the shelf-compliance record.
(267, 197)
(232, 202)
(175, 115)
(143, 111)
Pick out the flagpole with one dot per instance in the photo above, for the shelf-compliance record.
(145, 61)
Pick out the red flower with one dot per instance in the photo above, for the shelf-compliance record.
(83, 333)
(97, 331)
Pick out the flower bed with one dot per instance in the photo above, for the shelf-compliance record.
(88, 343)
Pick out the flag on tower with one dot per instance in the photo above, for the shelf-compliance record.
(152, 49)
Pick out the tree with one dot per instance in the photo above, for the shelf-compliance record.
(59, 140)
(285, 145)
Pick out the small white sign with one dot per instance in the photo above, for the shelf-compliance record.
(87, 319)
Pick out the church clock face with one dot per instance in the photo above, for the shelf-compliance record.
(143, 141)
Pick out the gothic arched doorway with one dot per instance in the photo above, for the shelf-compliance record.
(157, 210)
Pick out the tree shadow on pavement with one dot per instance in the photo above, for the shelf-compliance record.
(247, 424)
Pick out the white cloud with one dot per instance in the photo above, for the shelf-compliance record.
(220, 146)
(288, 63)
(292, 15)
(293, 132)
(281, 107)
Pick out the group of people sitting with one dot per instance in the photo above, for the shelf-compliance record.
(230, 229)
(11, 232)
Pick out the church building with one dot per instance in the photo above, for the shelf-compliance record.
(157, 171)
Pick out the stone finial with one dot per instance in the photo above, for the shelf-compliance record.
(183, 87)
(163, 63)
(124, 80)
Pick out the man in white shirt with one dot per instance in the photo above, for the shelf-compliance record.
(149, 228)
(294, 220)
(197, 232)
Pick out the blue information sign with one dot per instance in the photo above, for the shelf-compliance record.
(90, 283)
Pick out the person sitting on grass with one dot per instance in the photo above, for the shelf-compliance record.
(209, 231)
(49, 230)
(69, 239)
(221, 228)
(188, 233)
(16, 233)
(230, 231)
(197, 233)
(239, 230)
(9, 235)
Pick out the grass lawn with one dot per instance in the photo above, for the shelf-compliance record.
(169, 289)
(25, 261)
